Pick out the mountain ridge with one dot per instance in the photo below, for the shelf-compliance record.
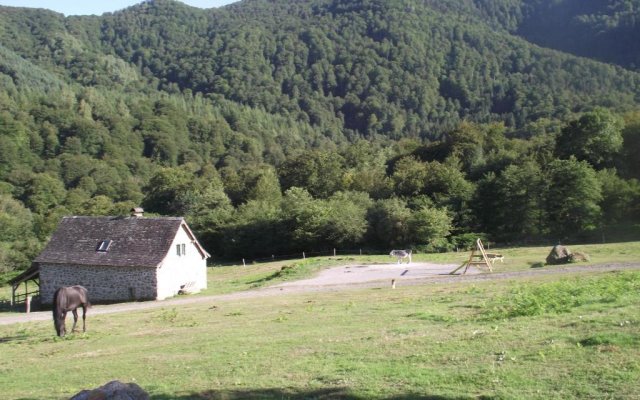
(209, 53)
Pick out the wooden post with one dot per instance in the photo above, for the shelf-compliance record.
(303, 256)
(393, 284)
(244, 263)
(360, 251)
(27, 304)
(334, 252)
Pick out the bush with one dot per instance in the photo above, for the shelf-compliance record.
(467, 241)
(561, 297)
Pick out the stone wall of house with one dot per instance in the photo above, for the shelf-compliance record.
(105, 284)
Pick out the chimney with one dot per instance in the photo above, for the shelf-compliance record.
(137, 212)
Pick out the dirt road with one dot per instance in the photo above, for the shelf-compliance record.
(342, 278)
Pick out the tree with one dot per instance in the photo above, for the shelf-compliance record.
(346, 222)
(319, 172)
(596, 137)
(43, 193)
(449, 188)
(631, 135)
(257, 229)
(15, 219)
(304, 217)
(197, 195)
(430, 226)
(620, 198)
(409, 176)
(573, 198)
(511, 205)
(389, 224)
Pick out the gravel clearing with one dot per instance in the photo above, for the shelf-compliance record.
(347, 277)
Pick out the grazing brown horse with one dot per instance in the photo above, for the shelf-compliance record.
(67, 299)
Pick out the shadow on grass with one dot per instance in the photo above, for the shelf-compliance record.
(10, 339)
(536, 264)
(319, 394)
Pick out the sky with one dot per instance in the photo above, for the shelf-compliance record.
(88, 7)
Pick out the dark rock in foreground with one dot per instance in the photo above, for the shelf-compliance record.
(114, 390)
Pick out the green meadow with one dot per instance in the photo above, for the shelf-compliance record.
(568, 336)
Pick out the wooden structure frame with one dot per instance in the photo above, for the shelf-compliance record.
(31, 274)
(479, 257)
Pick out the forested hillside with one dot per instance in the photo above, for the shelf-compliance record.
(604, 30)
(278, 126)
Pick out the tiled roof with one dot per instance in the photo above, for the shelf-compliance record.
(135, 242)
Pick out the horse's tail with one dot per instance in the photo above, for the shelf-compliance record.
(55, 302)
(55, 312)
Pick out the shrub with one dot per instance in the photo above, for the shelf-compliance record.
(561, 297)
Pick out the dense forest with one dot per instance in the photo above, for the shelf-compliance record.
(277, 126)
(604, 30)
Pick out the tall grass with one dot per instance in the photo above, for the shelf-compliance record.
(561, 296)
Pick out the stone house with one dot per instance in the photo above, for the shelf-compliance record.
(123, 258)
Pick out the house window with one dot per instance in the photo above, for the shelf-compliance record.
(178, 249)
(104, 245)
(184, 249)
(181, 249)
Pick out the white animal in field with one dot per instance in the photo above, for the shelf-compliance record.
(400, 254)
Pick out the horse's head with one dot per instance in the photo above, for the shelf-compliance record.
(58, 323)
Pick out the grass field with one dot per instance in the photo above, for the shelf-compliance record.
(573, 336)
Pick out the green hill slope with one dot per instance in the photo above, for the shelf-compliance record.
(370, 67)
(280, 126)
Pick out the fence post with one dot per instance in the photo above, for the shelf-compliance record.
(27, 304)
(243, 263)
(303, 256)
(360, 251)
(334, 252)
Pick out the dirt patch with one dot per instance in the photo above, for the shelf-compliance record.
(357, 274)
(343, 278)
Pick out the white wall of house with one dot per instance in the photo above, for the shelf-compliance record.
(103, 283)
(178, 268)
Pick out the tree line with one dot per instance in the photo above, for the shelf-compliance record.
(276, 127)
(182, 156)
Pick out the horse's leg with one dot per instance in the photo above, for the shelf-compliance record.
(63, 324)
(84, 317)
(75, 319)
